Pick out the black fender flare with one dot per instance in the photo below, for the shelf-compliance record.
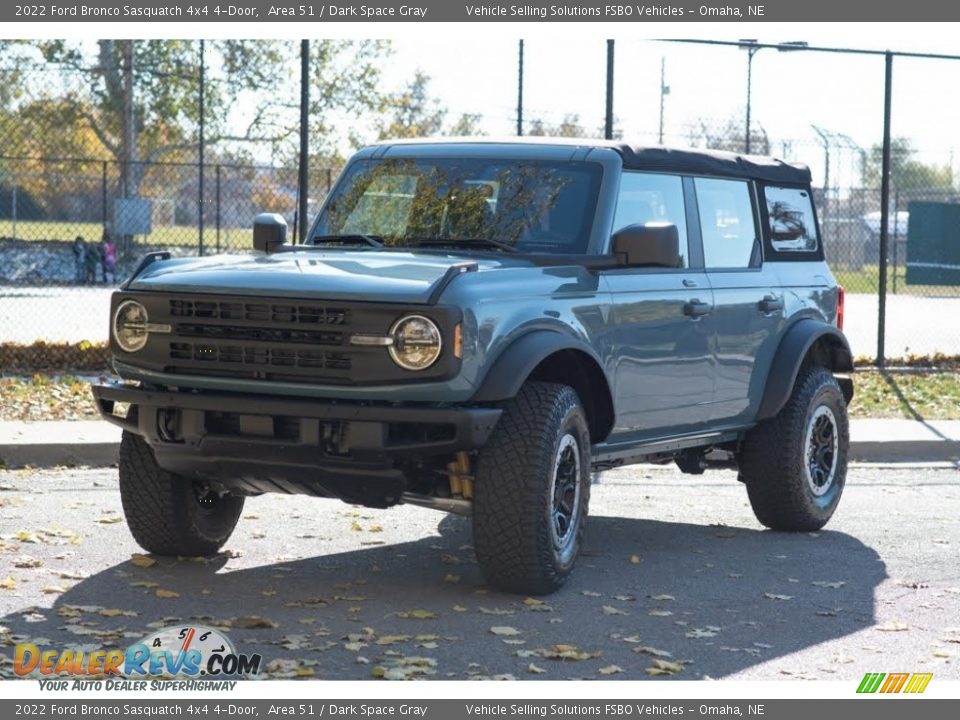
(515, 364)
(789, 357)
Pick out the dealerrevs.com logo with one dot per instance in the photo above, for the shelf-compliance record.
(190, 651)
(909, 683)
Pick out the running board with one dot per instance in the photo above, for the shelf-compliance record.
(606, 456)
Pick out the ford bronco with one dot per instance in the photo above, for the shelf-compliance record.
(477, 327)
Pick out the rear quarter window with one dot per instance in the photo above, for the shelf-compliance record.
(791, 225)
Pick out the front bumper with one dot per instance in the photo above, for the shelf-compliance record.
(275, 443)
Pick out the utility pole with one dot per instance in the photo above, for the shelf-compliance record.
(608, 123)
(664, 91)
(129, 137)
(520, 91)
(303, 181)
(201, 148)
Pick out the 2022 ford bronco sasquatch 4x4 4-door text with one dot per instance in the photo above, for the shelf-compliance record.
(477, 326)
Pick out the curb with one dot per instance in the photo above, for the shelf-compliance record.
(97, 444)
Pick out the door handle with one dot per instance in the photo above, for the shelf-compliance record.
(695, 308)
(770, 304)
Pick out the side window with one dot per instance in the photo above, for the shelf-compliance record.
(646, 197)
(726, 223)
(790, 216)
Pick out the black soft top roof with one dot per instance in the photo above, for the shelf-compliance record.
(713, 162)
(664, 159)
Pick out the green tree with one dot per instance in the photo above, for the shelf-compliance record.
(906, 172)
(86, 84)
(412, 112)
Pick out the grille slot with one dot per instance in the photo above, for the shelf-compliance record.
(292, 313)
(258, 356)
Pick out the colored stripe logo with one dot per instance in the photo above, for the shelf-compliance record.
(913, 683)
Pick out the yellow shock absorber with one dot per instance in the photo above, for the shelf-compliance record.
(466, 479)
(456, 486)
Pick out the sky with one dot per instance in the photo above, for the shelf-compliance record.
(473, 69)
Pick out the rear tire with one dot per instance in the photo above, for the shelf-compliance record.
(795, 464)
(532, 491)
(169, 514)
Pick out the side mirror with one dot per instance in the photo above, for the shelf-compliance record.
(269, 232)
(652, 243)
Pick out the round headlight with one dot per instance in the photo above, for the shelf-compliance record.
(130, 326)
(416, 342)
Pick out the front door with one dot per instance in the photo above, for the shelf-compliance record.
(661, 319)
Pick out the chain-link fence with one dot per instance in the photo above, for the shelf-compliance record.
(67, 170)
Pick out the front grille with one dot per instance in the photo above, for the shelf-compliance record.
(264, 339)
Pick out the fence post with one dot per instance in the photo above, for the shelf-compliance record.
(218, 208)
(13, 207)
(103, 195)
(884, 210)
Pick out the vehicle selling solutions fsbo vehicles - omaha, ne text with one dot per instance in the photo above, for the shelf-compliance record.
(475, 326)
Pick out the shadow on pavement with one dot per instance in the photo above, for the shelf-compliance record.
(718, 599)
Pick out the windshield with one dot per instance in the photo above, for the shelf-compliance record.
(532, 206)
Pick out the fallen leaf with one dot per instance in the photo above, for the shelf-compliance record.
(590, 593)
(375, 528)
(417, 615)
(662, 597)
(568, 652)
(671, 667)
(161, 593)
(625, 598)
(610, 670)
(893, 625)
(8, 583)
(458, 608)
(504, 630)
(53, 589)
(144, 584)
(496, 611)
(826, 584)
(775, 596)
(117, 612)
(698, 633)
(647, 650)
(252, 621)
(451, 578)
(142, 560)
(26, 561)
(27, 537)
(610, 610)
(355, 526)
(634, 559)
(392, 639)
(110, 520)
(660, 613)
(531, 668)
(942, 654)
(532, 601)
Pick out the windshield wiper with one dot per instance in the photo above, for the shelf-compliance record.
(452, 243)
(370, 240)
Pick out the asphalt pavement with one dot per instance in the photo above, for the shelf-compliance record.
(675, 569)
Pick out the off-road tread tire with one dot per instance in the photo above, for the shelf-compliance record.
(161, 508)
(772, 456)
(510, 533)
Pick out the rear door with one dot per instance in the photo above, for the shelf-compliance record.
(748, 302)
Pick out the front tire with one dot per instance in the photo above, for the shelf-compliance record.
(532, 491)
(169, 514)
(795, 464)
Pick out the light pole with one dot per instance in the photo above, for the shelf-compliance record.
(753, 47)
(750, 45)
